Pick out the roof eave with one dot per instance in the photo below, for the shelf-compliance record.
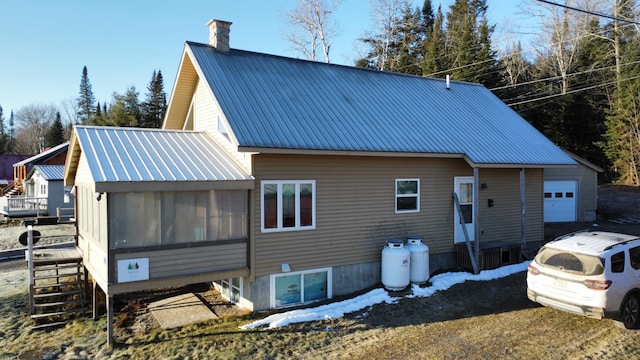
(153, 186)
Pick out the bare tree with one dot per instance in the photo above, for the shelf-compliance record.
(312, 27)
(33, 122)
(563, 32)
(70, 111)
(386, 15)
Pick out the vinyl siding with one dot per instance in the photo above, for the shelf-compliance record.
(189, 260)
(355, 208)
(355, 213)
(503, 221)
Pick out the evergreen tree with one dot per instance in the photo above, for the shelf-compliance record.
(154, 107)
(3, 135)
(55, 134)
(622, 144)
(434, 60)
(10, 143)
(124, 111)
(86, 100)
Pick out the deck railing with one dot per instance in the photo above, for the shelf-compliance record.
(22, 205)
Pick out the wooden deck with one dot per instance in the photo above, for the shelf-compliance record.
(53, 256)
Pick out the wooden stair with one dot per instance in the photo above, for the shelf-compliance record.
(58, 292)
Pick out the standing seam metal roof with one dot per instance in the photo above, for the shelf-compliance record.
(283, 103)
(49, 172)
(139, 155)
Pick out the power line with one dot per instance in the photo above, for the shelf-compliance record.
(590, 12)
(572, 91)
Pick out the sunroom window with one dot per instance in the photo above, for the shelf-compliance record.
(139, 219)
(288, 205)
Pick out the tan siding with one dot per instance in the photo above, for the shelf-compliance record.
(534, 184)
(206, 113)
(356, 208)
(504, 217)
(180, 98)
(192, 260)
(83, 175)
(207, 116)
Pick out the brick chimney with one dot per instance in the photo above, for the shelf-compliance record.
(219, 34)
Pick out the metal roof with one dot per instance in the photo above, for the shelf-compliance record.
(144, 159)
(43, 156)
(49, 172)
(274, 102)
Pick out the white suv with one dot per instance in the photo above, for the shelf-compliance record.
(594, 274)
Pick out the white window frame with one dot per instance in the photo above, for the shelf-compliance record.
(417, 196)
(272, 287)
(229, 282)
(280, 183)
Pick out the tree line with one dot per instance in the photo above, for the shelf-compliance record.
(578, 84)
(35, 127)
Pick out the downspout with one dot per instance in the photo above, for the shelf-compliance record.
(523, 206)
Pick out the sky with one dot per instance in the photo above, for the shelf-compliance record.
(338, 309)
(44, 44)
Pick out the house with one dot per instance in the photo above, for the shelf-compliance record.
(571, 194)
(52, 156)
(46, 182)
(6, 171)
(15, 202)
(282, 179)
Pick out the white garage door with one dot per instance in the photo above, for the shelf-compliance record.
(560, 201)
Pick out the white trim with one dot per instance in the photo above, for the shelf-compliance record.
(279, 183)
(416, 195)
(219, 285)
(272, 285)
(458, 236)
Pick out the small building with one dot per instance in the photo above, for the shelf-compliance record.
(45, 183)
(281, 179)
(571, 193)
(16, 202)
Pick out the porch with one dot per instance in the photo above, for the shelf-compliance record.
(23, 206)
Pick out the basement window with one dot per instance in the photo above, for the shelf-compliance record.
(297, 288)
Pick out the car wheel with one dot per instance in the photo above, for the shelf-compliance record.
(630, 312)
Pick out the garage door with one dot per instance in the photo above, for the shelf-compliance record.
(560, 201)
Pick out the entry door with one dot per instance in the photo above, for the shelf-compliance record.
(463, 187)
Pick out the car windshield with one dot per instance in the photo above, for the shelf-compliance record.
(570, 262)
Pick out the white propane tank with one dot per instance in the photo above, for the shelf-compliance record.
(396, 268)
(419, 260)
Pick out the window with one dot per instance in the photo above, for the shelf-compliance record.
(230, 289)
(407, 195)
(634, 255)
(617, 262)
(288, 205)
(302, 287)
(139, 219)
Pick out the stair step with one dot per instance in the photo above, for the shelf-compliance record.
(45, 286)
(70, 265)
(60, 293)
(61, 303)
(59, 313)
(56, 276)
